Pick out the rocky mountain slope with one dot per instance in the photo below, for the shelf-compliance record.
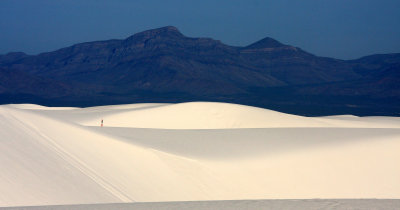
(163, 65)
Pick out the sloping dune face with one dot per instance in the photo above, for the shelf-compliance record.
(191, 151)
(209, 115)
(205, 115)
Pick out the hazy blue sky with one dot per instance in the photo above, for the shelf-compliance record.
(336, 28)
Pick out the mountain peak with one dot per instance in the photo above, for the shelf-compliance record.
(167, 31)
(265, 43)
(168, 28)
(164, 30)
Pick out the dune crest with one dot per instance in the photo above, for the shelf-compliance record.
(212, 115)
(206, 115)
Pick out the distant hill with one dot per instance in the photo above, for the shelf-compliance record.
(163, 65)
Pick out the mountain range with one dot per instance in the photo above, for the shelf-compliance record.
(163, 65)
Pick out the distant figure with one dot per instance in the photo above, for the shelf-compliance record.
(101, 122)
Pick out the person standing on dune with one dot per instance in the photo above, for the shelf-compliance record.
(101, 122)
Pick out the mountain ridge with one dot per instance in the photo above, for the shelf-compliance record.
(163, 65)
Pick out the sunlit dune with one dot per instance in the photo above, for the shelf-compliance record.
(191, 151)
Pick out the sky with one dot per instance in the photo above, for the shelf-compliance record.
(344, 29)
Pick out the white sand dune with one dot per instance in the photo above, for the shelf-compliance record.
(191, 151)
(202, 115)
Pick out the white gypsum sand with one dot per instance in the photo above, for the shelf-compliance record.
(191, 151)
